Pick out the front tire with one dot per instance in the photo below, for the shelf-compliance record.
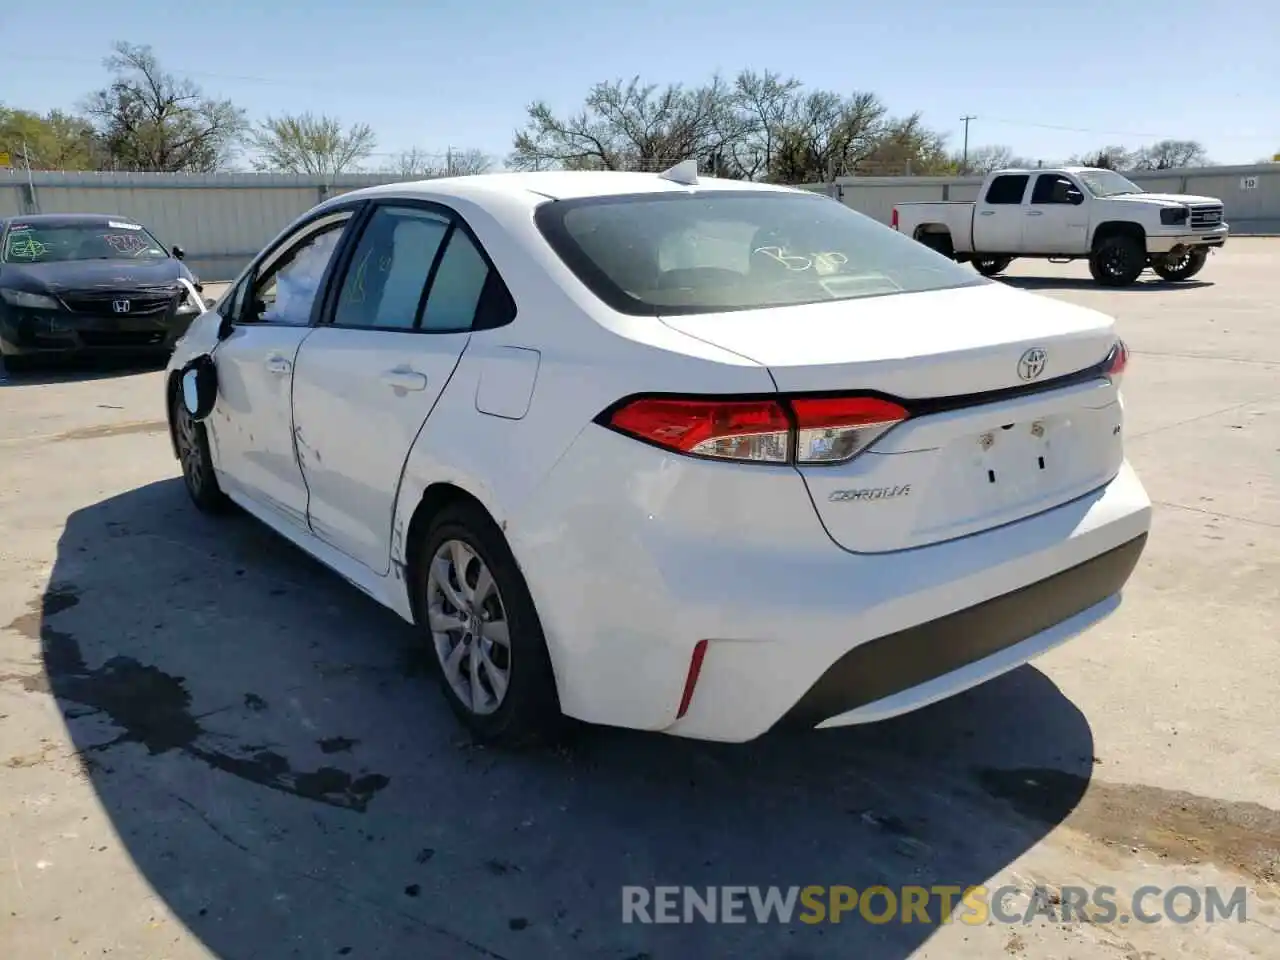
(1176, 269)
(192, 443)
(474, 607)
(990, 266)
(1118, 261)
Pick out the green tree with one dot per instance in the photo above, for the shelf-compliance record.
(310, 144)
(51, 141)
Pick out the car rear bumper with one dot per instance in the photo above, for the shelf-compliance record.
(907, 669)
(1216, 237)
(46, 333)
(635, 556)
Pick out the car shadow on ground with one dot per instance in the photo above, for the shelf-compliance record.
(285, 775)
(78, 369)
(1144, 284)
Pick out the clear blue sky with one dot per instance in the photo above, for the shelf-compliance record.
(433, 75)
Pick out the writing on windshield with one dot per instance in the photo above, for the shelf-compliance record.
(29, 242)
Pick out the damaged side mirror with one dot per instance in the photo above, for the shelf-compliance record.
(199, 383)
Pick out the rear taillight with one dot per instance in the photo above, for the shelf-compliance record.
(894, 222)
(1116, 362)
(832, 430)
(725, 429)
(802, 430)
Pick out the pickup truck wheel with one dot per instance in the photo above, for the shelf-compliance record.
(1182, 267)
(990, 266)
(1118, 261)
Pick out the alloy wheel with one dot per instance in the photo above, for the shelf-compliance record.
(1116, 261)
(190, 452)
(468, 624)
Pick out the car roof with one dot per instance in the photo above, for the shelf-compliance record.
(538, 187)
(68, 219)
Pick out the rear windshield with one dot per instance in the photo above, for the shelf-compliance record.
(712, 252)
(47, 242)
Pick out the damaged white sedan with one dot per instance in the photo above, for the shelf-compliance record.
(665, 452)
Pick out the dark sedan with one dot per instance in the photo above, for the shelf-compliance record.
(79, 283)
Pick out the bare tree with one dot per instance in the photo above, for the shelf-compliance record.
(419, 164)
(415, 164)
(149, 119)
(827, 135)
(907, 147)
(983, 160)
(626, 125)
(762, 126)
(1112, 157)
(760, 106)
(310, 144)
(461, 163)
(1170, 155)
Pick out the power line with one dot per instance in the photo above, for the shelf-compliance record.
(1107, 133)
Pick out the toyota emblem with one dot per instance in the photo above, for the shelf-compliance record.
(120, 306)
(1031, 364)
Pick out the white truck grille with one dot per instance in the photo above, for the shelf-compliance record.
(1205, 217)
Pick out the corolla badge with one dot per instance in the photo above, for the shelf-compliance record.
(1031, 364)
(870, 493)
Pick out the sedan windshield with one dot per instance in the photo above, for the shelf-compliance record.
(736, 250)
(1107, 183)
(49, 243)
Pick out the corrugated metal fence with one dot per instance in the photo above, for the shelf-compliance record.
(223, 219)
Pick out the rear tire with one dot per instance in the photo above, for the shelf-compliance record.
(192, 443)
(478, 619)
(990, 266)
(1118, 260)
(1176, 269)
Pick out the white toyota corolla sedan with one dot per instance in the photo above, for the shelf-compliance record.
(665, 452)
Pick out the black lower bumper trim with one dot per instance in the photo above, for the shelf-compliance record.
(887, 665)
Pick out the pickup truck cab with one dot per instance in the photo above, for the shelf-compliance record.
(1071, 213)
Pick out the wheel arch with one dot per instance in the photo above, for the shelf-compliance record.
(417, 503)
(170, 394)
(931, 228)
(1118, 228)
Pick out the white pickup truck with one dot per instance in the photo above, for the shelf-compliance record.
(1071, 213)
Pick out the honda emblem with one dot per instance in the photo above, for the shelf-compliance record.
(120, 306)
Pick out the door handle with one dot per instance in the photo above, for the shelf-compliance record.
(402, 378)
(1035, 213)
(278, 364)
(986, 213)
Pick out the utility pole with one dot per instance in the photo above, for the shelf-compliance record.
(31, 184)
(448, 161)
(964, 163)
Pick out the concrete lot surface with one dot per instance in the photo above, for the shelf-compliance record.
(212, 747)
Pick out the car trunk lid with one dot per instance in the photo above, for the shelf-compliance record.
(1001, 426)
